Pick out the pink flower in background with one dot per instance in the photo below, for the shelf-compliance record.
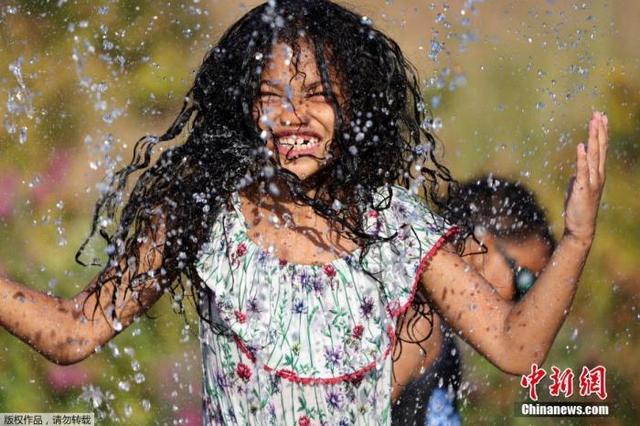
(188, 375)
(64, 378)
(190, 416)
(9, 181)
(59, 165)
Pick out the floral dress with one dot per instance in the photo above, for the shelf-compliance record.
(309, 344)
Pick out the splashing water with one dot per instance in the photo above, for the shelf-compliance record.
(19, 103)
(130, 61)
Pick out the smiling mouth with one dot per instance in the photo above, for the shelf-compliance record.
(296, 145)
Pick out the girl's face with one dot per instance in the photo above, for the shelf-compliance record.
(294, 111)
(531, 253)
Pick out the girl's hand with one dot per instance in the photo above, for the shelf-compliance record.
(585, 189)
(514, 335)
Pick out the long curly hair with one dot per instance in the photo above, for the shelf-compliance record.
(384, 117)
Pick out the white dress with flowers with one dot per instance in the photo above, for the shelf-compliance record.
(309, 344)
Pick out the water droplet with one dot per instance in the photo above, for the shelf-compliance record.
(435, 47)
(22, 135)
(437, 124)
(117, 325)
(273, 189)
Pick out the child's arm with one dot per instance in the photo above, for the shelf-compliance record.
(514, 335)
(65, 331)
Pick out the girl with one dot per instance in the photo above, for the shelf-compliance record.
(290, 215)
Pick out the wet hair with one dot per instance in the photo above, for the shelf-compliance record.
(505, 208)
(381, 137)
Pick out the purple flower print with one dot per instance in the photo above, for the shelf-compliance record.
(306, 281)
(334, 399)
(252, 305)
(221, 380)
(318, 285)
(333, 356)
(299, 306)
(366, 307)
(274, 384)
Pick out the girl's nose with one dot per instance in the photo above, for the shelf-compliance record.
(293, 114)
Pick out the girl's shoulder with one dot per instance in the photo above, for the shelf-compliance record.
(404, 207)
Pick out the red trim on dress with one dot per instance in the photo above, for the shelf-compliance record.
(424, 262)
(361, 372)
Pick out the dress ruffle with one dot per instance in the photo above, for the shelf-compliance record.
(315, 324)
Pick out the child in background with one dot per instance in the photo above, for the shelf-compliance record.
(512, 245)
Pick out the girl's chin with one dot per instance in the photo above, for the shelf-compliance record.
(303, 167)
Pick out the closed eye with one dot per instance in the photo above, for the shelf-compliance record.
(317, 96)
(261, 94)
(267, 96)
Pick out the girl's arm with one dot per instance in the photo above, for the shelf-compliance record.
(65, 331)
(514, 335)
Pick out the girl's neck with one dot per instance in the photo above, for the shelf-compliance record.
(295, 231)
(279, 203)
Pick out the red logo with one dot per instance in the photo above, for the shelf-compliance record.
(562, 382)
(532, 379)
(592, 381)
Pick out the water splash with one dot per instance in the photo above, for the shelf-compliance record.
(100, 401)
(19, 103)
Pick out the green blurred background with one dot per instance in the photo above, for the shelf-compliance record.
(513, 83)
